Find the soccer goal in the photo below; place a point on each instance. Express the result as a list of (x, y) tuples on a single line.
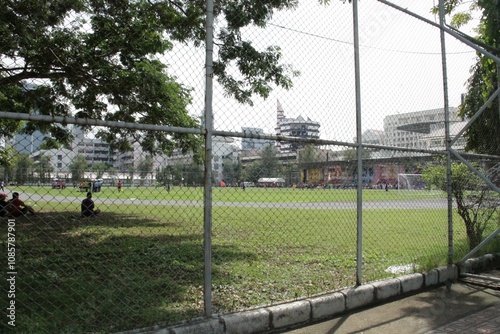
[(410, 182)]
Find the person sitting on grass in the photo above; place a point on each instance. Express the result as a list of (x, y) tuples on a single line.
[(15, 207), (3, 205), (88, 209)]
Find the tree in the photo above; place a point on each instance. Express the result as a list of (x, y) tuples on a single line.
[(78, 166), (98, 59), (253, 172), (43, 167), (8, 157), (194, 174), (164, 175), (177, 173), (269, 165), (482, 136), (99, 169), (145, 167), (22, 167), (231, 171), (475, 205), (308, 154)]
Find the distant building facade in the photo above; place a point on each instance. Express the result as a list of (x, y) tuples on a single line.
[(94, 150), (436, 140), (372, 136), (294, 127), (60, 161), (224, 150), (254, 144), (409, 130), (27, 143)]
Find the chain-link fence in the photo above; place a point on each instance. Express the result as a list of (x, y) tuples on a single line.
[(357, 172)]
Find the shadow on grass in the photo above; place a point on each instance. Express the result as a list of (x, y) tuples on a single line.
[(108, 273)]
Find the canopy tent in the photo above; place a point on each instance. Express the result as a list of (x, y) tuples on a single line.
[(271, 182)]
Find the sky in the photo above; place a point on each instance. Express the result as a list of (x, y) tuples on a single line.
[(400, 68)]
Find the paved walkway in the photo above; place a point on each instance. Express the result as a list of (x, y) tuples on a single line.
[(463, 309), (487, 321)]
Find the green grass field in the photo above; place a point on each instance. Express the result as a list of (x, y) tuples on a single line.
[(135, 266), (230, 194)]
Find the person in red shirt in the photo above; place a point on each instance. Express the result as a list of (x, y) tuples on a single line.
[(3, 204), (15, 207)]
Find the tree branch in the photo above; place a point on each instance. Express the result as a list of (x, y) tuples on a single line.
[(31, 75)]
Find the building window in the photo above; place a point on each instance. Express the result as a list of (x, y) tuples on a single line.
[(59, 157)]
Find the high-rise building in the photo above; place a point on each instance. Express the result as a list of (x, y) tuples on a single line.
[(294, 127)]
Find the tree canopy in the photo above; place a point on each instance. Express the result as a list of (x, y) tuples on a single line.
[(482, 136), (99, 59), (475, 202)]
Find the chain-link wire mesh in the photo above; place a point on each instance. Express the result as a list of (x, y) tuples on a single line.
[(118, 237)]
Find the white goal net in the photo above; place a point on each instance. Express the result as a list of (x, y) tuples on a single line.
[(410, 182)]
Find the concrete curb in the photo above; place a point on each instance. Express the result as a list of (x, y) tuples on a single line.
[(310, 310), (478, 264)]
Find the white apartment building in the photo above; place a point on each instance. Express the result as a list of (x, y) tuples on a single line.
[(94, 150), (60, 160), (410, 130), (436, 140), (223, 148)]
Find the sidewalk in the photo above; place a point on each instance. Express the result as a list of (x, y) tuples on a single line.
[(464, 308)]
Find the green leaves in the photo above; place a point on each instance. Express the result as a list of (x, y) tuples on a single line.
[(473, 198), (99, 59), (482, 136)]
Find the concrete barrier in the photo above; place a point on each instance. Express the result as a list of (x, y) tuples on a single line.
[(411, 282), (327, 305), (387, 289), (213, 326), (293, 313), (359, 296), (287, 315), (431, 278), (248, 322)]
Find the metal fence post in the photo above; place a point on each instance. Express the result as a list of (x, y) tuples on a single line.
[(447, 133), (207, 235), (359, 247)]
